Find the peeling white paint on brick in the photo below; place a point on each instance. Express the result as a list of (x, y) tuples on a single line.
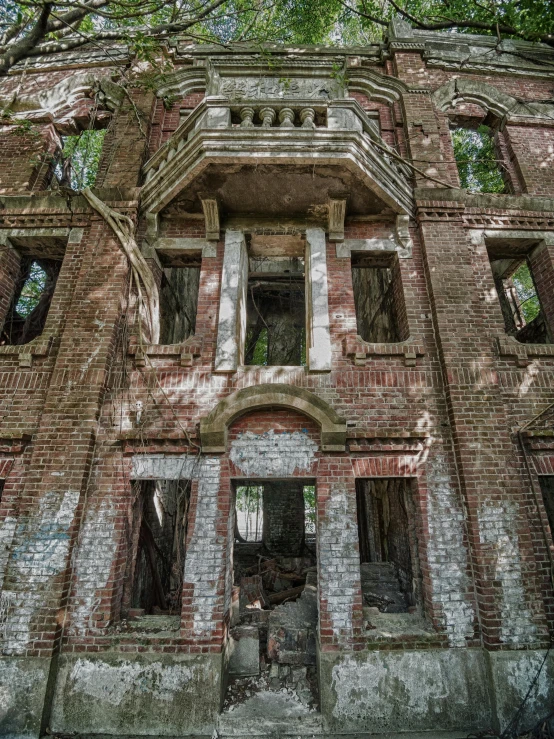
[(93, 562), (39, 555), (7, 530), (161, 467), (273, 454), (204, 558), (447, 554), (498, 524), (114, 683), (339, 560)]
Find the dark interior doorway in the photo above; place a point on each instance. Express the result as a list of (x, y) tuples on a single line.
[(275, 604), (160, 518), (388, 550)]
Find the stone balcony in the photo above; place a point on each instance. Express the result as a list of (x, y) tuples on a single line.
[(248, 154)]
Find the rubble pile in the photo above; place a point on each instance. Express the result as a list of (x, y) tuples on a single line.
[(273, 634)]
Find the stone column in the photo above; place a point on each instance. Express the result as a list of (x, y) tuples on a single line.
[(232, 305), (318, 336)]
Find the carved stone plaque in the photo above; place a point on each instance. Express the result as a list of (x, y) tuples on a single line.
[(254, 88)]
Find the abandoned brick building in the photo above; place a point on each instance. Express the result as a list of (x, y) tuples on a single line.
[(276, 421)]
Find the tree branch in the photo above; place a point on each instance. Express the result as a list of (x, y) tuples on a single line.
[(21, 49)]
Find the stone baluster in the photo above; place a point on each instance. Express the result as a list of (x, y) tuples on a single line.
[(286, 118), (268, 116), (307, 116), (246, 116)]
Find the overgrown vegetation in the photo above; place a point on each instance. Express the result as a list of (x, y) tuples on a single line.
[(80, 159), (526, 292), (32, 290), (29, 28), (476, 159)]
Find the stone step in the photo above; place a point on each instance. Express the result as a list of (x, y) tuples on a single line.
[(270, 713)]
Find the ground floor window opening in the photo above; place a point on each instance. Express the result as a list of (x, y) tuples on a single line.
[(274, 605), (388, 551), (155, 572)]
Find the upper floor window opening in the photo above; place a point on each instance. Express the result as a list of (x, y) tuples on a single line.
[(477, 159), (379, 297), (275, 303), (524, 318), (80, 159), (31, 299), (179, 299)]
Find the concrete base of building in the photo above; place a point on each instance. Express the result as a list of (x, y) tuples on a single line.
[(23, 695), (143, 694), (431, 690), (377, 693)]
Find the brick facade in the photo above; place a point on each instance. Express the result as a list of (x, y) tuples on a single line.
[(90, 406)]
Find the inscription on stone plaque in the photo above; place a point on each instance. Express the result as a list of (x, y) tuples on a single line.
[(248, 88)]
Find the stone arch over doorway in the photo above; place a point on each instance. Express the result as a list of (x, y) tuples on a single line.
[(213, 428)]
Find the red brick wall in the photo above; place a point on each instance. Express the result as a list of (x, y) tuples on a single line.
[(446, 422), (533, 149)]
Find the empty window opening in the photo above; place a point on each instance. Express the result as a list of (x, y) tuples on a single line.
[(276, 311), (387, 544), (261, 515), (160, 526), (477, 159), (80, 159), (179, 302), (274, 603), (275, 300), (2, 482), (519, 301), (34, 289), (378, 298), (275, 537), (547, 487)]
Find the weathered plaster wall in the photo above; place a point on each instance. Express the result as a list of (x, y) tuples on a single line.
[(163, 694), (406, 691)]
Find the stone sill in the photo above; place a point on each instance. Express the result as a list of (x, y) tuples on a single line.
[(14, 442), (398, 627), (39, 347), (508, 346), (360, 351), (187, 351)]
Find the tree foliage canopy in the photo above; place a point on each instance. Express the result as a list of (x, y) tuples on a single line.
[(29, 28)]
